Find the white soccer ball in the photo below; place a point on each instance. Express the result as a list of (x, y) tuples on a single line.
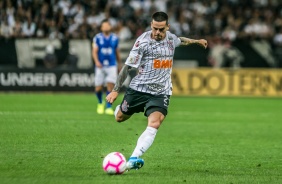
[(114, 163)]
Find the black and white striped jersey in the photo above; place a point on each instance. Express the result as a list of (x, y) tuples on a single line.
[(154, 60)]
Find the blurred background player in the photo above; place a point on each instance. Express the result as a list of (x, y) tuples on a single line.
[(106, 57)]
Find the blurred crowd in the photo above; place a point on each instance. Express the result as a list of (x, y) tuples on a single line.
[(80, 19), (221, 22)]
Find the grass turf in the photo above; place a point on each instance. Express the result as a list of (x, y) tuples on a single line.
[(59, 138)]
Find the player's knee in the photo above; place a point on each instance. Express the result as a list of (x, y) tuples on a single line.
[(155, 124), (98, 88), (155, 120), (119, 119)]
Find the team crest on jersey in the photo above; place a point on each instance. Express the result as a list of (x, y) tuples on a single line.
[(157, 55), (170, 45), (124, 106)]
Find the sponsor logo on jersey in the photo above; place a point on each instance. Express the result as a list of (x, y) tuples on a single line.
[(107, 50), (158, 55), (158, 64), (155, 87)]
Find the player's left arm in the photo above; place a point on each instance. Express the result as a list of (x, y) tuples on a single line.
[(118, 59), (188, 41)]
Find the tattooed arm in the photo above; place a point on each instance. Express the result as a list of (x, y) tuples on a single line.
[(121, 78), (188, 41)]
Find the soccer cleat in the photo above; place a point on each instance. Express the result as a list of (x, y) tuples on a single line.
[(134, 163), (109, 111), (100, 108)]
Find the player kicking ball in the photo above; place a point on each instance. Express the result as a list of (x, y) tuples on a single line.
[(150, 90)]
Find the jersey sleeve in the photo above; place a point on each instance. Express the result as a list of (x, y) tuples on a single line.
[(135, 55), (117, 42), (94, 42), (176, 41)]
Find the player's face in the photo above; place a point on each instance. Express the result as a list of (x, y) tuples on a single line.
[(159, 30), (106, 28)]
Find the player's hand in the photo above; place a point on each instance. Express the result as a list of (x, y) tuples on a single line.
[(98, 65), (112, 96), (203, 43)]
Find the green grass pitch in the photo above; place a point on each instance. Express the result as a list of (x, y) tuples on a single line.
[(59, 138)]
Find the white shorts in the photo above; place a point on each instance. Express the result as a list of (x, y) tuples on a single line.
[(105, 75)]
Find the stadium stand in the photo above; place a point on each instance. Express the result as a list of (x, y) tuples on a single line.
[(222, 22)]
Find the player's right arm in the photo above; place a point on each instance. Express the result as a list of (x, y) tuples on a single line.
[(121, 78), (95, 50), (132, 61)]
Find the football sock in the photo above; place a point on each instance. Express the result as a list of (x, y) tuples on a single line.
[(108, 105), (116, 110), (145, 140), (99, 95)]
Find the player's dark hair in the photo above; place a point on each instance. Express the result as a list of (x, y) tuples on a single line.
[(160, 16), (105, 20)]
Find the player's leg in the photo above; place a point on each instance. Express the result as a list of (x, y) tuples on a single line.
[(99, 95), (156, 110), (111, 77), (145, 140), (133, 102), (120, 117), (99, 80), (109, 109)]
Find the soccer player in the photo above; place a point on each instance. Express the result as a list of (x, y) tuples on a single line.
[(106, 57), (150, 90)]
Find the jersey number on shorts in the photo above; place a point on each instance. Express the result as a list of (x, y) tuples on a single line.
[(166, 100)]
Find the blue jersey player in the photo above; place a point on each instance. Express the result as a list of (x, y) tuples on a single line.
[(106, 57)]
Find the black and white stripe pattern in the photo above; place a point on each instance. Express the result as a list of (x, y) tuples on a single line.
[(142, 55)]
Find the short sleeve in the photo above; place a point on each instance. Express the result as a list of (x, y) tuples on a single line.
[(115, 40), (135, 55), (176, 40), (94, 42)]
